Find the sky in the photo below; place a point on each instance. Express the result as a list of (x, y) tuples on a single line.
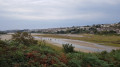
[(40, 14)]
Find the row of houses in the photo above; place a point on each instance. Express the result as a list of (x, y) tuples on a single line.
[(98, 27)]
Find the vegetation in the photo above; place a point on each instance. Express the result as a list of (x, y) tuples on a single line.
[(1, 32), (101, 39), (40, 55), (99, 29), (102, 59), (29, 56), (14, 54), (56, 48), (24, 38), (68, 48), (91, 30)]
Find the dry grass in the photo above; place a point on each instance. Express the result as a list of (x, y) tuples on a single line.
[(56, 48)]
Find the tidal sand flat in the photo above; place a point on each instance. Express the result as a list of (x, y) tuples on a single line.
[(79, 45)]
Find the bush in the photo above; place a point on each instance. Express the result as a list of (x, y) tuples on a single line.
[(93, 62), (30, 56), (68, 48), (24, 38), (74, 63), (3, 43)]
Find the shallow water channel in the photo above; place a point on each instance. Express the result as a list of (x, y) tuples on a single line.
[(79, 45)]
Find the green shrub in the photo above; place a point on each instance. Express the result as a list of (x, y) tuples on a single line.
[(74, 63), (24, 38), (93, 62), (3, 43), (13, 43), (68, 48), (30, 56)]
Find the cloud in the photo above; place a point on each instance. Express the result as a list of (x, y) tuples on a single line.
[(53, 9), (55, 17)]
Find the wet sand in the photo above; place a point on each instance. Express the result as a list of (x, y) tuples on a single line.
[(79, 45), (60, 45)]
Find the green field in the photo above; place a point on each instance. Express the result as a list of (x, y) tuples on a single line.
[(110, 40)]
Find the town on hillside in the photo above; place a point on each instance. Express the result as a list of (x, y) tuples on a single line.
[(93, 29)]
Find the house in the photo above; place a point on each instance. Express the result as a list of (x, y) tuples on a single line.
[(118, 31)]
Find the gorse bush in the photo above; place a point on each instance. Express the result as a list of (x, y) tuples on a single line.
[(68, 48), (24, 38)]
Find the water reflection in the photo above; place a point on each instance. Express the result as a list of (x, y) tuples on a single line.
[(64, 41)]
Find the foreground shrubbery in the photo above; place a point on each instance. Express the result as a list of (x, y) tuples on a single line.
[(103, 59), (29, 56), (40, 55), (80, 59), (17, 54), (24, 51)]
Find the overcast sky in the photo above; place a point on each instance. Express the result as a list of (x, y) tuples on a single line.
[(38, 14)]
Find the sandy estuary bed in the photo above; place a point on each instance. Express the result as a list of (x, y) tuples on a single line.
[(5, 37), (79, 45)]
